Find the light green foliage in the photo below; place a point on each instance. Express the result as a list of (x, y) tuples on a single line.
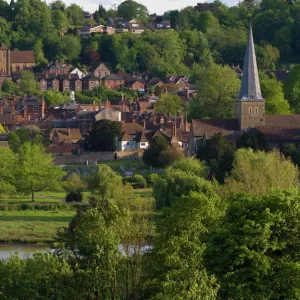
[(30, 133), (175, 265), (74, 183), (8, 164), (185, 176), (5, 31), (254, 252), (292, 89), (75, 15), (130, 9), (2, 130), (169, 105), (53, 97), (28, 83), (59, 20), (267, 56), (217, 87), (207, 20), (247, 176), (36, 171), (272, 91), (8, 87)]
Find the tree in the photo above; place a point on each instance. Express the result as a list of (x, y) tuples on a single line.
[(272, 91), (246, 175), (175, 265), (217, 87), (103, 136), (75, 15), (36, 170), (292, 151), (8, 166), (255, 248), (218, 152), (2, 130), (130, 9), (53, 97), (39, 54), (30, 133), (71, 47), (169, 156), (5, 26), (292, 89), (169, 105), (184, 176), (28, 83), (8, 87), (253, 139), (60, 21), (267, 56), (74, 187), (151, 155)]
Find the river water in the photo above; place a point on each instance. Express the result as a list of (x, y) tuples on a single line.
[(24, 251)]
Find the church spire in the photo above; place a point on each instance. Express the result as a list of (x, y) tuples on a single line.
[(250, 89)]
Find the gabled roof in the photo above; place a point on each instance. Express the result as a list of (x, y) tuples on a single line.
[(91, 77), (22, 57), (67, 133), (113, 77), (97, 64), (132, 128), (209, 127)]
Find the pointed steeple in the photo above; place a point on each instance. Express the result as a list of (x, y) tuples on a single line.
[(250, 89)]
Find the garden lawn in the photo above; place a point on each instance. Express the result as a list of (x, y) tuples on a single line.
[(32, 226)]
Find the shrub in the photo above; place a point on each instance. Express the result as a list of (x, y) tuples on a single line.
[(74, 196)]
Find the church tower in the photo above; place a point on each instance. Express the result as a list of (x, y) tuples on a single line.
[(4, 60), (250, 105)]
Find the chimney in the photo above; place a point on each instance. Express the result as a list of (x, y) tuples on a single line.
[(162, 120), (173, 129), (1, 108), (133, 121), (107, 104), (99, 106), (43, 106), (154, 120), (13, 108), (187, 93), (25, 112), (144, 123), (78, 107), (69, 131)]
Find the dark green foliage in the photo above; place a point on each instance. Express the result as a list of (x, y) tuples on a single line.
[(74, 196), (103, 136), (218, 152), (293, 152), (152, 154), (252, 139)]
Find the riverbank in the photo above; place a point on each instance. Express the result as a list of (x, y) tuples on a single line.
[(32, 226)]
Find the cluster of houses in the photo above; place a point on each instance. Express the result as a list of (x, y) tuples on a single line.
[(63, 77), (119, 25), (67, 125)]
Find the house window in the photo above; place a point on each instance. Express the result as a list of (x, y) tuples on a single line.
[(250, 110), (128, 143), (143, 144), (36, 108), (256, 110)]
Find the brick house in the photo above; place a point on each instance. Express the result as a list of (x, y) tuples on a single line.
[(64, 84), (137, 85), (31, 107), (90, 82), (113, 81), (100, 70), (57, 68), (75, 84)]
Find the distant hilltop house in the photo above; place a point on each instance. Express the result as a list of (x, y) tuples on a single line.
[(15, 61), (98, 28)]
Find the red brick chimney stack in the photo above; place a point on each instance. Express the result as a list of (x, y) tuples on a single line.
[(107, 104), (69, 131)]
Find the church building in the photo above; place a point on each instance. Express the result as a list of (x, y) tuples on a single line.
[(249, 113), (15, 61)]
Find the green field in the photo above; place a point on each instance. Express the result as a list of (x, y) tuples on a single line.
[(32, 226), (42, 197)]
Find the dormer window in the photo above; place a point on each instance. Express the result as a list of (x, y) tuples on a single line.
[(250, 110)]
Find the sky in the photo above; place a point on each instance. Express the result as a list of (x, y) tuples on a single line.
[(154, 6)]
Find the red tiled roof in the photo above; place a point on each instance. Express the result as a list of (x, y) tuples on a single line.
[(22, 57)]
